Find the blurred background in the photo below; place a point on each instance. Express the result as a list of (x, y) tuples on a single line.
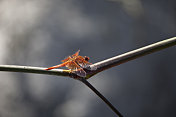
[(43, 32)]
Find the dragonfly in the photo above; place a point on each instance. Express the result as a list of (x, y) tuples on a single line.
[(76, 64)]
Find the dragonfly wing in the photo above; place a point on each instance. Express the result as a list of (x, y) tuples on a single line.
[(68, 58), (80, 72), (93, 68), (76, 68), (86, 65), (76, 54)]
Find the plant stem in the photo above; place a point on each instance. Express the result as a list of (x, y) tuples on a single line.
[(102, 65), (38, 70), (117, 60), (101, 96)]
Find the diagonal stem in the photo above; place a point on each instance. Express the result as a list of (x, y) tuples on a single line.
[(128, 56), (101, 96)]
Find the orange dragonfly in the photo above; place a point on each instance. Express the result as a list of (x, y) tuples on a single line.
[(76, 64)]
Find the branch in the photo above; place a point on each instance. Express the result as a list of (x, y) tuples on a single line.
[(117, 60), (101, 96), (102, 65), (58, 72), (38, 70)]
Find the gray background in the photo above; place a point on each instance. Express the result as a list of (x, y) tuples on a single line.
[(42, 32)]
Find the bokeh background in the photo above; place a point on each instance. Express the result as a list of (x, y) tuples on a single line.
[(42, 32)]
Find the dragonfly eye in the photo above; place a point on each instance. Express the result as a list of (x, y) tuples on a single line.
[(86, 58)]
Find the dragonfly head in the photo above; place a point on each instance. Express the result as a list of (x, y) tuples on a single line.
[(86, 58)]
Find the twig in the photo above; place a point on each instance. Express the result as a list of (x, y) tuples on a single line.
[(38, 70), (102, 65), (58, 72), (101, 96), (117, 60)]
